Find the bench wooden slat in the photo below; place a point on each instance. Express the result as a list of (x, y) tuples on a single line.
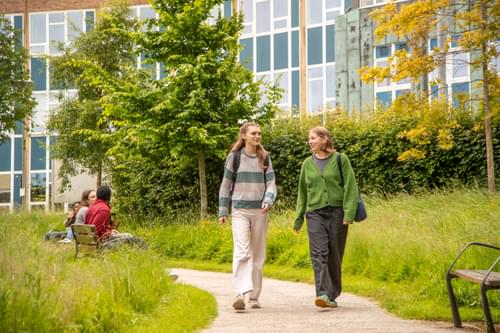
[(477, 276), (84, 228), (86, 239)]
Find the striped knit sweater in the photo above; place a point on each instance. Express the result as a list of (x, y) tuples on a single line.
[(252, 186)]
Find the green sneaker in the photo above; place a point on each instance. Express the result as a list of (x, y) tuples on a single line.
[(324, 301)]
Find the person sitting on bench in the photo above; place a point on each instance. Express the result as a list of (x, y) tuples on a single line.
[(99, 214)]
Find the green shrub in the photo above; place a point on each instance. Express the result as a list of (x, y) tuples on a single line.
[(412, 146)]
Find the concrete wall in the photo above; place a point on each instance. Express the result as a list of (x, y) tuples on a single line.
[(79, 183)]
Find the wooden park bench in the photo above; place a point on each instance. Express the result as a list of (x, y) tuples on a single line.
[(86, 239), (487, 279)]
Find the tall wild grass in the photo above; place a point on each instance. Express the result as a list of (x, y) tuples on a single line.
[(43, 289)]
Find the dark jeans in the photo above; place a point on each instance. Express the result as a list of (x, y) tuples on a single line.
[(327, 239)]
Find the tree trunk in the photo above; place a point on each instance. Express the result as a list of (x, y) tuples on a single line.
[(99, 177), (490, 164), (203, 184)]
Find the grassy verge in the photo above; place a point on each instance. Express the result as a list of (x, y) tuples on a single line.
[(42, 289), (399, 255)]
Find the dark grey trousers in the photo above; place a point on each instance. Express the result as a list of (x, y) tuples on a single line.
[(327, 239)]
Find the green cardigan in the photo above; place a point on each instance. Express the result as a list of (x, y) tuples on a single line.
[(322, 189)]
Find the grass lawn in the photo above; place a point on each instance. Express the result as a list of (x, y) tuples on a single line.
[(398, 257)]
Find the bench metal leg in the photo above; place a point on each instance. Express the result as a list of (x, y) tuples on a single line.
[(490, 327), (457, 322)]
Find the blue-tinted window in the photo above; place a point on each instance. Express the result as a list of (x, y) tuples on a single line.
[(18, 179), (18, 25), (263, 53), (402, 92), (295, 49), (39, 73), (402, 46), (295, 13), (330, 43), (433, 43), (295, 89), (246, 54), (314, 46), (227, 8), (89, 21), (38, 183), (454, 40), (384, 98), (5, 155), (19, 127), (457, 90), (281, 50), (18, 154), (38, 153), (434, 91), (383, 51)]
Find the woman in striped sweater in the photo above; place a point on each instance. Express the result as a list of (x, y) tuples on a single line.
[(249, 187)]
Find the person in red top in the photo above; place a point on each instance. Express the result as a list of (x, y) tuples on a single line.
[(99, 214)]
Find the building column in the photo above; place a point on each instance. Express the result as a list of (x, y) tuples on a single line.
[(303, 57), (26, 184)]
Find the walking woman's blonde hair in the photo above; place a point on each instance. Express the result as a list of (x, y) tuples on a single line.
[(240, 142), (323, 133)]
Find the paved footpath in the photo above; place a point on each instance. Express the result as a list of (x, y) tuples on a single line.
[(289, 307)]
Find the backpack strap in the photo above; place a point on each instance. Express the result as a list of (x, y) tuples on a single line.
[(339, 164), (236, 163)]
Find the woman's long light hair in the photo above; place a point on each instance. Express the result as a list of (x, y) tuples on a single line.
[(323, 133), (240, 143)]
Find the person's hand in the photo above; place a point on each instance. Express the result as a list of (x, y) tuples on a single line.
[(222, 220), (71, 214), (347, 222), (265, 208), (296, 231)]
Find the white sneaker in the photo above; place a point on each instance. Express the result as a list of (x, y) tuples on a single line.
[(239, 303), (65, 241), (254, 304)]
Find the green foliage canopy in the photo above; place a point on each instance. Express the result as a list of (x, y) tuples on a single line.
[(91, 64), (16, 101)]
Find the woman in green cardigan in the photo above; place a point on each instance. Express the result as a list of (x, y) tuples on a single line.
[(329, 208)]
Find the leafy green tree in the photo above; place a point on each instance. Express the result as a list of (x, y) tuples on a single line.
[(15, 87), (474, 25), (101, 55), (195, 111)]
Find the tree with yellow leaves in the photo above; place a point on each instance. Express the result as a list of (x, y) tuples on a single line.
[(475, 28)]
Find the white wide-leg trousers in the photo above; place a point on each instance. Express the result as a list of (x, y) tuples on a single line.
[(249, 254)]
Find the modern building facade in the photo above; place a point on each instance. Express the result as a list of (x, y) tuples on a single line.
[(312, 48)]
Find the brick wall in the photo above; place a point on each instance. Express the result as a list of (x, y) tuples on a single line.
[(30, 6)]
